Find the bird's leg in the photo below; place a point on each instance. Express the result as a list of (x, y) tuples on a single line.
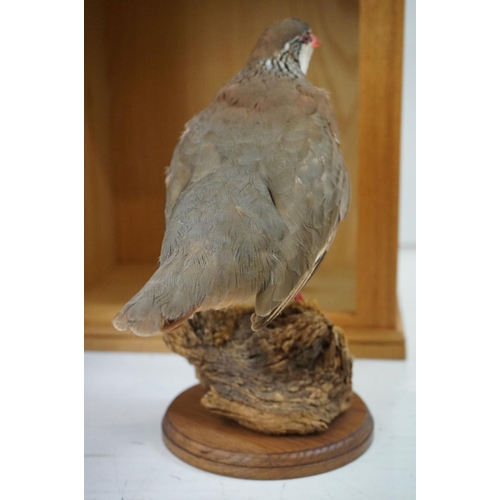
[(299, 297)]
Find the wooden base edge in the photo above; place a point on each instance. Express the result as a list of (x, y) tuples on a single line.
[(219, 445), (261, 473)]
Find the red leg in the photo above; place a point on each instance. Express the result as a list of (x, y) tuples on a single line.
[(299, 297)]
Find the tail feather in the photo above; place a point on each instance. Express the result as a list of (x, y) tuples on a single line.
[(135, 316), (145, 321), (153, 310)]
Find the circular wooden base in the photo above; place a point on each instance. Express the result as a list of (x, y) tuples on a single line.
[(220, 445)]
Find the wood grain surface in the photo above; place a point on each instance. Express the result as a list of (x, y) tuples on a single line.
[(381, 56), (222, 446), (99, 225)]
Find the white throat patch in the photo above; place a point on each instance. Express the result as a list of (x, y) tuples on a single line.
[(306, 52)]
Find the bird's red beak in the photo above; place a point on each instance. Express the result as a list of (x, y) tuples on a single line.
[(315, 41)]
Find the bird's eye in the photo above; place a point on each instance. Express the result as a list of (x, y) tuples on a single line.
[(306, 38)]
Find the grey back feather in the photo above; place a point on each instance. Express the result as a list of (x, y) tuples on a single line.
[(255, 191)]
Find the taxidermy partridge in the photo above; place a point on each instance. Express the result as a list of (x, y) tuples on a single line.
[(256, 188)]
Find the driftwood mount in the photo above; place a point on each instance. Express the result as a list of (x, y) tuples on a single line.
[(292, 377)]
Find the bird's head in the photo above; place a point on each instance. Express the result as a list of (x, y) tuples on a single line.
[(285, 46)]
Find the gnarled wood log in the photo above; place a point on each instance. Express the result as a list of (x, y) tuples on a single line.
[(294, 376)]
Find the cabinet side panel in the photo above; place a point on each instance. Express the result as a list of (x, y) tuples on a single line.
[(381, 37), (99, 226)]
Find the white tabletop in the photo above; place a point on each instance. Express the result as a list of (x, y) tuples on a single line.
[(126, 395)]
